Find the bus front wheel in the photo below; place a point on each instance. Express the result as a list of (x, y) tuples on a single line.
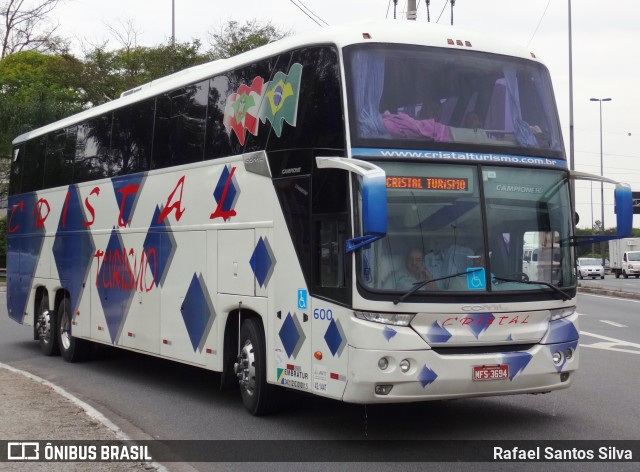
[(258, 396)]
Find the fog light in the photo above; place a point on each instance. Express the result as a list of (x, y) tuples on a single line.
[(569, 354), (564, 376), (557, 358), (383, 363), (383, 389), (405, 365)]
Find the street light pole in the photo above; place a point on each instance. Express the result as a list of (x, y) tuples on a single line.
[(600, 100), (173, 22), (572, 165)]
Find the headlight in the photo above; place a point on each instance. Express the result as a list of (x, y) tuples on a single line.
[(562, 313), (396, 319)]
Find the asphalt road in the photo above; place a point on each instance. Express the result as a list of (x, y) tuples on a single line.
[(153, 398)]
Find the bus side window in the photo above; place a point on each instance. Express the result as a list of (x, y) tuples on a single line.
[(319, 118), (265, 69), (330, 213), (218, 141), (132, 137), (16, 170), (33, 168), (180, 126), (331, 238), (60, 156), (92, 150)]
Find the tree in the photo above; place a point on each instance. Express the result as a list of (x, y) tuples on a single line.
[(108, 73), (232, 38), (35, 89), (25, 26)]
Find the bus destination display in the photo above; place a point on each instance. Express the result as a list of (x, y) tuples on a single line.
[(428, 183)]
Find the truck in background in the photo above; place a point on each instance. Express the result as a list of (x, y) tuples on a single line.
[(624, 257)]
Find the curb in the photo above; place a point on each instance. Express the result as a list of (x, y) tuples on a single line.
[(90, 411)]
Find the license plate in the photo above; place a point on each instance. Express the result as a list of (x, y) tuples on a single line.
[(491, 372)]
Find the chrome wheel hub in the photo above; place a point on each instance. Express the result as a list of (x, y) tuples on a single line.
[(44, 326), (245, 368)]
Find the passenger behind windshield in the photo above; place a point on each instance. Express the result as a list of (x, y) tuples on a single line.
[(415, 270)]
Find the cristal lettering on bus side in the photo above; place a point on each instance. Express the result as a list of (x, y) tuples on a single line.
[(427, 183)]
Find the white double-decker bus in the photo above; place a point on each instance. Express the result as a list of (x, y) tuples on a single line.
[(342, 213)]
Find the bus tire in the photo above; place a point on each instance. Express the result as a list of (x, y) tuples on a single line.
[(72, 349), (46, 327), (259, 397)]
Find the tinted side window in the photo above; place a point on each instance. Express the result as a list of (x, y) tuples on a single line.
[(132, 137), (293, 194), (60, 155), (92, 150), (15, 180), (219, 142), (266, 70), (319, 118), (33, 166), (330, 211), (180, 126)]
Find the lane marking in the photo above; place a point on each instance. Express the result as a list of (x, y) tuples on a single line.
[(613, 323), (611, 344)]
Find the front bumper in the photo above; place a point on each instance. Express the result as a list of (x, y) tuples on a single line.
[(438, 375)]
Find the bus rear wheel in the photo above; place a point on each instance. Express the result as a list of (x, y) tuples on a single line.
[(46, 328), (258, 396), (72, 349)]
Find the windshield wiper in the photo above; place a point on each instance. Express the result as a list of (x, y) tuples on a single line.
[(419, 285), (562, 293)]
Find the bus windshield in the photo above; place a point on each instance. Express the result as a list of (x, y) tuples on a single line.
[(463, 100), (440, 229)]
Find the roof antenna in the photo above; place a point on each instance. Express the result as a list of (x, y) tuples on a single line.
[(428, 2), (453, 3)]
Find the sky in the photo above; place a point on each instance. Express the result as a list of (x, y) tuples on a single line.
[(606, 55)]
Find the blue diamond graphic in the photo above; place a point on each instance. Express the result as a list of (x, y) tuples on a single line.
[(334, 337), (73, 248), (426, 376), (226, 194), (481, 321), (438, 334), (24, 245), (517, 362), (262, 262), (197, 311), (388, 333), (127, 188), (159, 248), (289, 335), (116, 284), (562, 331)]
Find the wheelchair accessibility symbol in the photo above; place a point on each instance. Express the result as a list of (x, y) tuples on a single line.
[(476, 278), (302, 299)]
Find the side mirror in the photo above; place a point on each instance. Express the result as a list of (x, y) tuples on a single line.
[(374, 197), (623, 207)]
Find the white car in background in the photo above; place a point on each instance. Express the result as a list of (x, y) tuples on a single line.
[(590, 267)]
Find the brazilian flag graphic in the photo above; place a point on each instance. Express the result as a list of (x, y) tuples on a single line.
[(281, 98)]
